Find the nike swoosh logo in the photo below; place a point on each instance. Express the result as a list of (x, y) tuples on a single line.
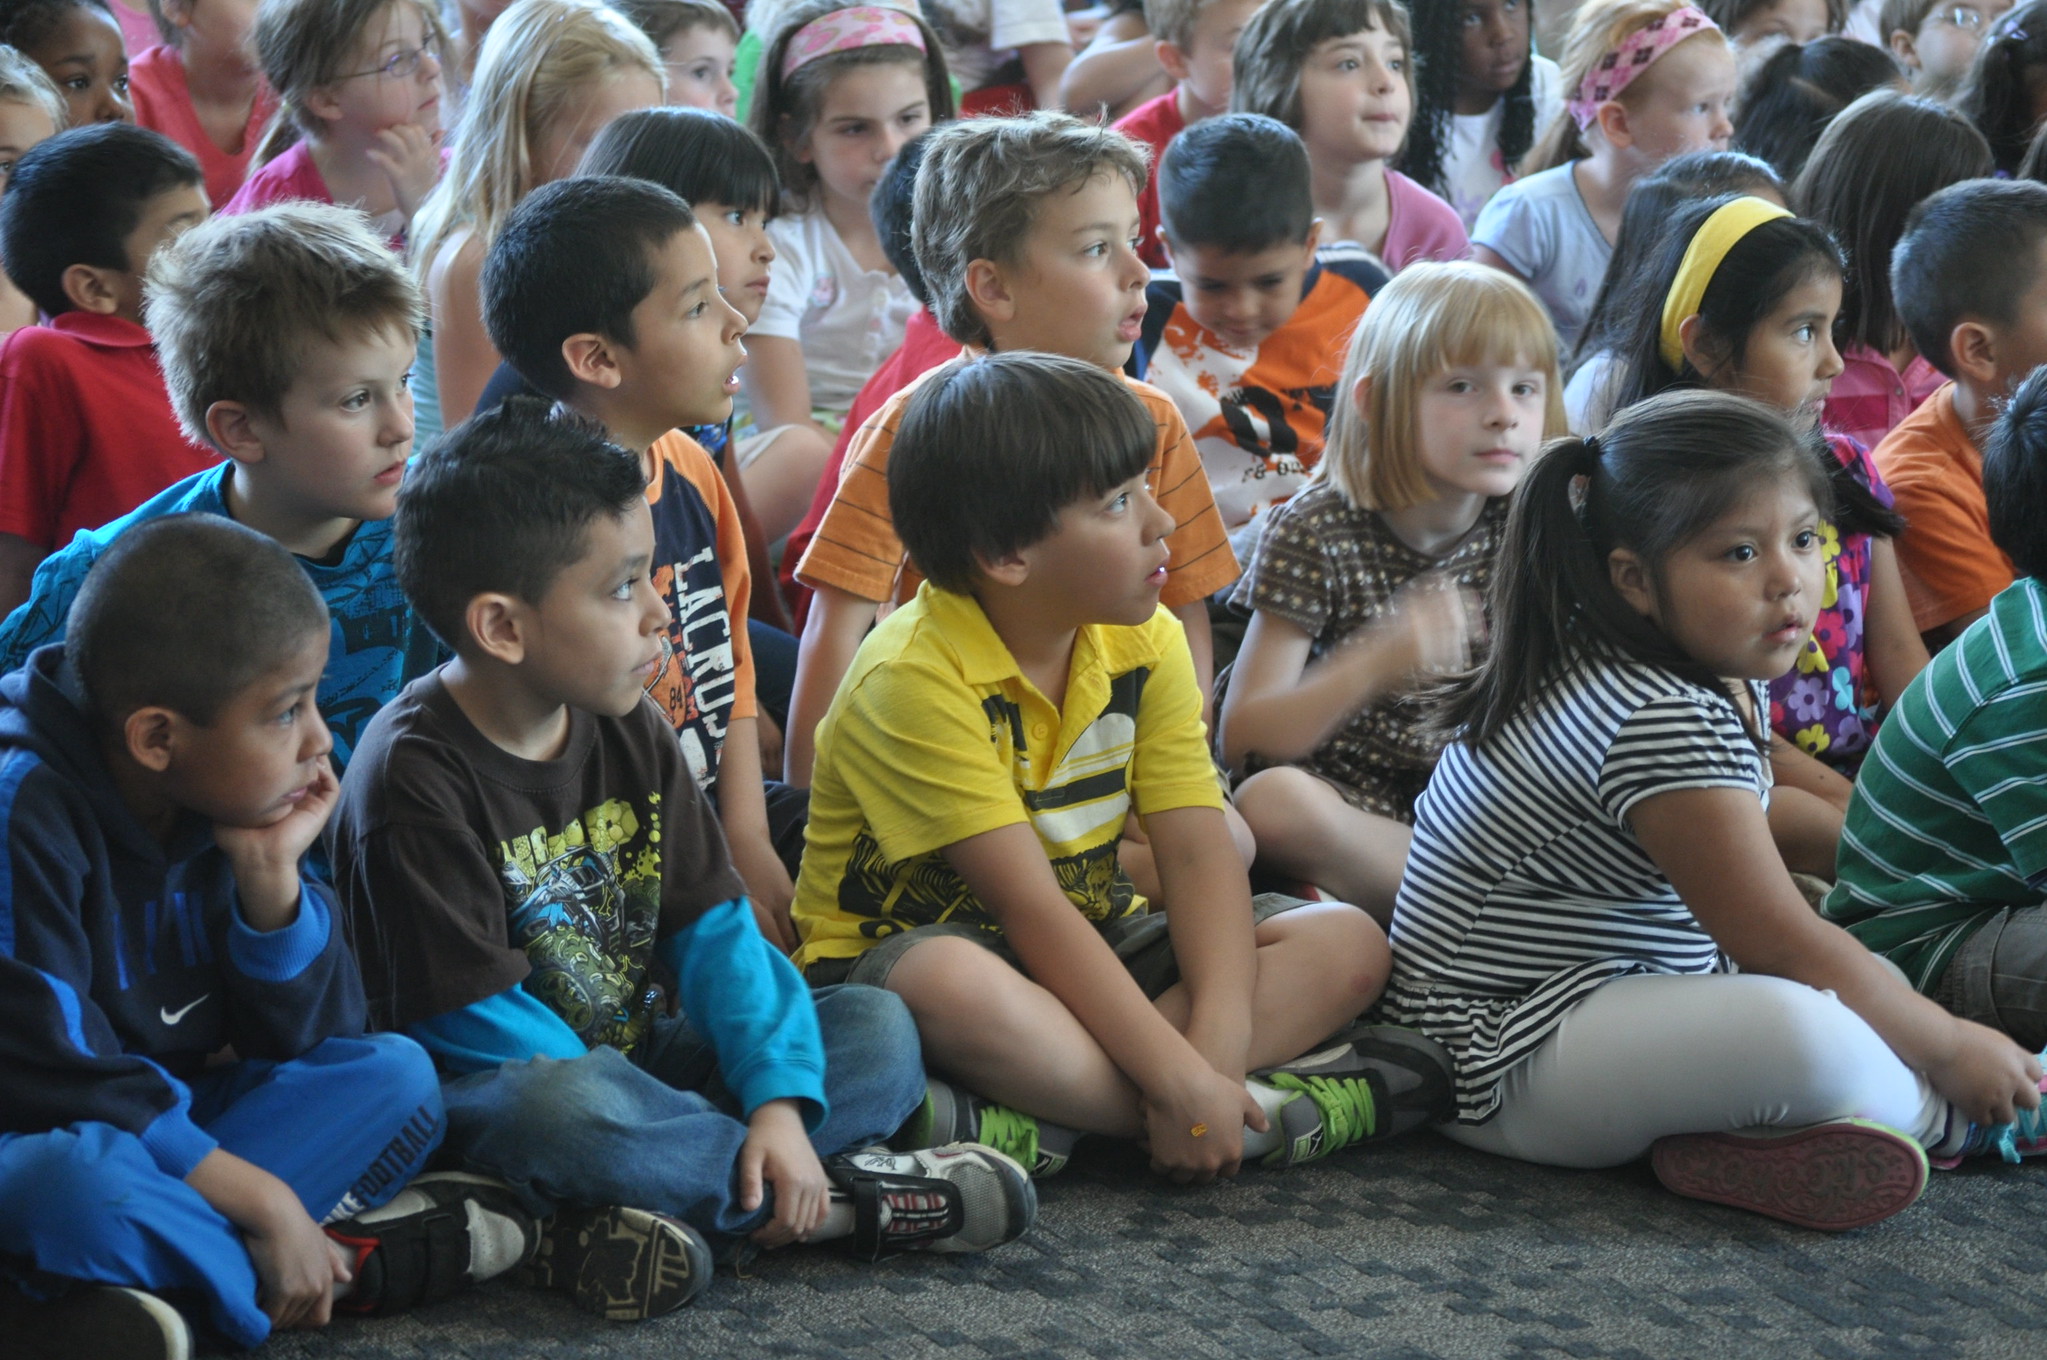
[(171, 1017)]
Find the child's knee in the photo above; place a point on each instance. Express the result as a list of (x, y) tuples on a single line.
[(870, 1021), (76, 1183), (952, 981), (391, 1064), (1352, 951)]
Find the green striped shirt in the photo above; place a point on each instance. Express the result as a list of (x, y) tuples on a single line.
[(1949, 821)]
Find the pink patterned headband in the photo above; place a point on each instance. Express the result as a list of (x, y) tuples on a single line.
[(845, 29), (1636, 51)]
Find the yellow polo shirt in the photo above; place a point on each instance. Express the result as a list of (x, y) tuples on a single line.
[(935, 735)]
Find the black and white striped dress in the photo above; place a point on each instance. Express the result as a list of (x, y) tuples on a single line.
[(1525, 889)]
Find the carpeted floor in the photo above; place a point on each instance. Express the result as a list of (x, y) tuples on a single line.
[(1421, 1249)]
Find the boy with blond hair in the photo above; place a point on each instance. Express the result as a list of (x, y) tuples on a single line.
[(286, 337), (1194, 42), (1025, 233)]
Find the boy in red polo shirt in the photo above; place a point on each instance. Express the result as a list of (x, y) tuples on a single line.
[(86, 428)]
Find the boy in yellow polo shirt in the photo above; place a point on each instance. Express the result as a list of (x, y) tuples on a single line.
[(973, 776)]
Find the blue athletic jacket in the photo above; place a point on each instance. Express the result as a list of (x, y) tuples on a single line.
[(125, 963)]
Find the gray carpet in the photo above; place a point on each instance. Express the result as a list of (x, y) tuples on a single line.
[(1420, 1249)]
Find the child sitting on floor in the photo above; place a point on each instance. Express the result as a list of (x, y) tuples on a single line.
[(973, 778), (203, 89), (189, 1093), (1593, 852), (1367, 584)]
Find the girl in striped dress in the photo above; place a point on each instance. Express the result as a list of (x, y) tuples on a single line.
[(1593, 856)]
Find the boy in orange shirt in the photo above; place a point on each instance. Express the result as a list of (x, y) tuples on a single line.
[(1025, 233), (1970, 278)]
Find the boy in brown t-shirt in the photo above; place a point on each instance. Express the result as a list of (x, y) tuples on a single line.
[(1970, 278), (534, 885)]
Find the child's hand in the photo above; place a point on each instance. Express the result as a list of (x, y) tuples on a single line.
[(777, 1153), (1438, 623), (1210, 1102), (297, 1267), (1986, 1075), (410, 158), (266, 858)]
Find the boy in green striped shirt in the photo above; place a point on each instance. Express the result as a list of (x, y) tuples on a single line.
[(1943, 863)]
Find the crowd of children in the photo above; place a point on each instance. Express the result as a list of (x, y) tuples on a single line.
[(638, 632)]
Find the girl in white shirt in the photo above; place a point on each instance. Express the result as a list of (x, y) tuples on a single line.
[(1480, 95), (841, 89)]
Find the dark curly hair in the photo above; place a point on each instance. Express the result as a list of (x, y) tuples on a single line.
[(1437, 50)]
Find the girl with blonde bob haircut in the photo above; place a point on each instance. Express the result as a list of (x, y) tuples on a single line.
[(550, 75), (1369, 582)]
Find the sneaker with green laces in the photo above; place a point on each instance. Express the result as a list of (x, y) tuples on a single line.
[(1366, 1083), (951, 1115)]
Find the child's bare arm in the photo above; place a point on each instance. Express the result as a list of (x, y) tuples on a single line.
[(1793, 768), (1282, 706), (1714, 846), (743, 814), (464, 358), (1890, 639), (1193, 617), (1207, 898), (832, 633), (777, 383)]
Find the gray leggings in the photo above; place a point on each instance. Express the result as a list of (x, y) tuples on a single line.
[(1645, 1057)]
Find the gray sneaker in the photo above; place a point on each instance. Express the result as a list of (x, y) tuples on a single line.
[(1366, 1083), (960, 1197)]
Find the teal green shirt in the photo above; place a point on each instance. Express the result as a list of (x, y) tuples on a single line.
[(1949, 820)]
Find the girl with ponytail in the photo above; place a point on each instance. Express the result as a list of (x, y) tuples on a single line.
[(1594, 851)]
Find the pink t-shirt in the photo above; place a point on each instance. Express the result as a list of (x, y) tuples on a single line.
[(1419, 226), (163, 103), (291, 177), (139, 32), (1870, 398)]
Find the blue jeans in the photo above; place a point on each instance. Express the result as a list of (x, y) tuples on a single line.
[(659, 1130), (345, 1125)]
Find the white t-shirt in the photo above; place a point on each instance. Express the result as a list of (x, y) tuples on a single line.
[(981, 36), (1589, 396), (848, 319), (1541, 227), (1472, 169)]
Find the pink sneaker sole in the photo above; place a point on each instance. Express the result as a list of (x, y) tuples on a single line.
[(1835, 1176)]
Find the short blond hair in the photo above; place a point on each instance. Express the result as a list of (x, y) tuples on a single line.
[(536, 59), (237, 303), (1430, 318), (978, 192), (23, 82)]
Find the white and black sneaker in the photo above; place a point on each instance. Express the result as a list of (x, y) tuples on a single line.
[(100, 1321), (441, 1234), (622, 1263), (960, 1197)]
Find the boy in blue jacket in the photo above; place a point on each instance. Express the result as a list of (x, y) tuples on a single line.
[(537, 891), (186, 1091)]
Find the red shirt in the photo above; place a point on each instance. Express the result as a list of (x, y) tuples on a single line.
[(163, 103), (1153, 123), (86, 429), (924, 348)]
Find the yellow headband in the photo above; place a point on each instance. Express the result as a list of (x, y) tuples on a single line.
[(1702, 258)]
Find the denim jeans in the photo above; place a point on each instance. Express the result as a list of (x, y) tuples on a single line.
[(659, 1130)]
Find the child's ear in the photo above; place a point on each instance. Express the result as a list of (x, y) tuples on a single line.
[(1172, 58), (1692, 339), (1973, 347), (1905, 50), (148, 736), (1361, 396), (590, 359), (1314, 240), (1010, 569), (989, 291), (322, 104), (497, 623), (92, 288), (1631, 581), (234, 432), (1612, 121)]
